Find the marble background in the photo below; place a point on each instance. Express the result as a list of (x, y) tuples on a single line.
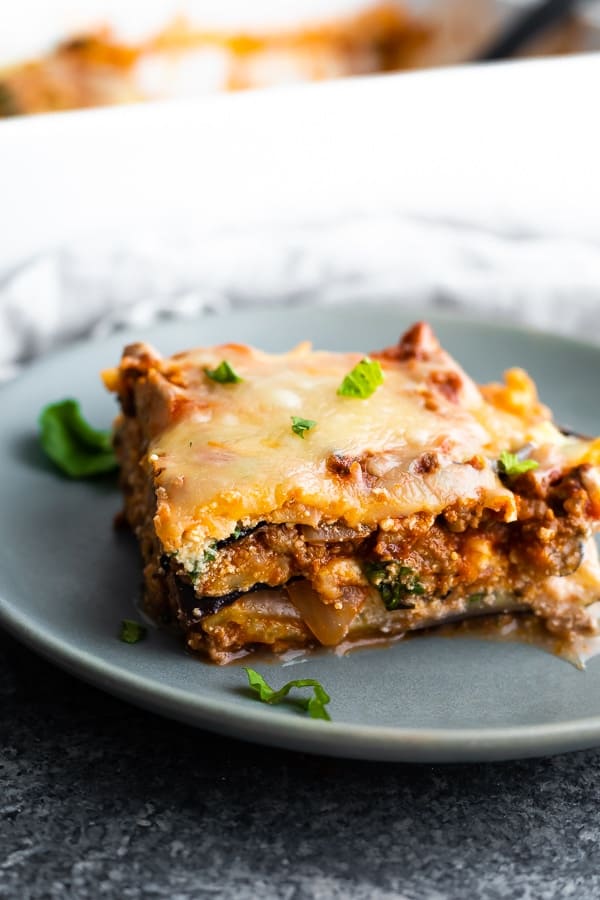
[(95, 284)]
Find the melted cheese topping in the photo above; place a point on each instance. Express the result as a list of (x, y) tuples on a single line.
[(232, 455), (223, 456)]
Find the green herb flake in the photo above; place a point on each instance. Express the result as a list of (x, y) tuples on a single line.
[(300, 425), (72, 444), (199, 565), (476, 598), (313, 705), (395, 582), (363, 380), (132, 632), (210, 554), (510, 465), (224, 374)]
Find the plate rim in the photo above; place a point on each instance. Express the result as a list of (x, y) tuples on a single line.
[(280, 728), (262, 724)]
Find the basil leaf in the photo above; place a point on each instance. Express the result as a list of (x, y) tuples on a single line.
[(132, 632), (314, 705), (224, 374), (300, 425), (509, 464), (363, 380), (72, 444)]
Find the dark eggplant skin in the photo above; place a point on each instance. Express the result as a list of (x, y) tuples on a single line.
[(568, 432), (238, 536), (195, 608), (190, 601), (190, 604), (479, 613)]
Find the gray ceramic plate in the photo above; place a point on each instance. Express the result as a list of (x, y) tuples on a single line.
[(67, 579)]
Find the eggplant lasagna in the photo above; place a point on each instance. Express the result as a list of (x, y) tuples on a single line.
[(186, 56), (316, 498)]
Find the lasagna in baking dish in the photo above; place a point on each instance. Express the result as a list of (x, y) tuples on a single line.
[(203, 49), (318, 498)]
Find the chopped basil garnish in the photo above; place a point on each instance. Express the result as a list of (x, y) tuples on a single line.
[(72, 444), (509, 464), (300, 425), (363, 380), (395, 583), (132, 632), (476, 598), (314, 705), (224, 374)]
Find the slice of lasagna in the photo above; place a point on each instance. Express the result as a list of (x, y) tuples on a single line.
[(317, 498)]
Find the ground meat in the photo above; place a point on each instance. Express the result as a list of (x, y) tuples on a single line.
[(418, 343), (271, 556), (466, 548), (448, 383)]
